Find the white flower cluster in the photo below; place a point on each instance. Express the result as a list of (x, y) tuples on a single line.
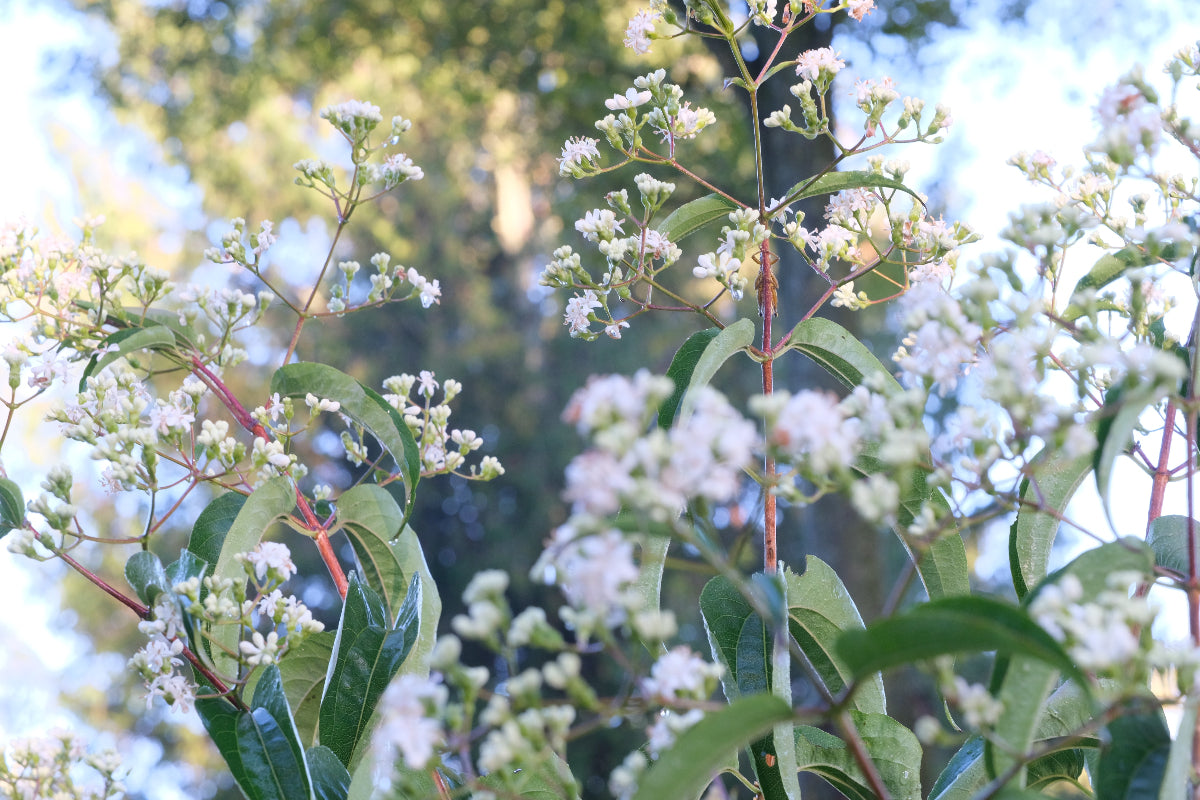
[(225, 602), (52, 766), (701, 456), (1100, 635), (444, 450)]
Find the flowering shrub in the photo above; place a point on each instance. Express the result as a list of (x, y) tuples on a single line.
[(1015, 379)]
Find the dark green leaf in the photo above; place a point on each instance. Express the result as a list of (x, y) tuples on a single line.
[(839, 352), (367, 655), (1134, 764), (125, 342), (693, 216), (1168, 538), (684, 770), (411, 558), (820, 608), (963, 775), (724, 612), (948, 626), (270, 502), (894, 750), (260, 746), (1056, 478), (146, 575), (330, 780), (208, 534), (269, 697), (361, 404), (303, 672), (680, 372), (733, 339), (372, 520), (832, 182), (12, 506)]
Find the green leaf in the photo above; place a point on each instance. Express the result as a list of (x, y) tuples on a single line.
[(947, 626), (261, 746), (1179, 763), (1112, 266), (1123, 406), (411, 558), (367, 654), (684, 770), (1022, 684), (740, 642), (303, 672), (725, 612), (783, 735), (680, 372), (691, 217), (1031, 538), (371, 519), (1134, 764), (12, 506), (1168, 538), (146, 575), (832, 182), (839, 352), (330, 780), (188, 565), (1063, 713), (362, 405), (819, 610), (894, 750), (732, 339), (270, 502), (124, 342), (942, 565), (963, 775), (1026, 683), (208, 534)]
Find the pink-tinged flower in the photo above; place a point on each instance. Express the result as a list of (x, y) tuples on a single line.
[(860, 8), (614, 331), (593, 570), (578, 309), (637, 33), (812, 63)]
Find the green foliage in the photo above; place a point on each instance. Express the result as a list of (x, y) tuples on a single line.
[(369, 651)]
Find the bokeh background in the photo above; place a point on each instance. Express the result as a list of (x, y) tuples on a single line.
[(171, 116)]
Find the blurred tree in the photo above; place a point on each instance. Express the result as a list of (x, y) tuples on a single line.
[(230, 89)]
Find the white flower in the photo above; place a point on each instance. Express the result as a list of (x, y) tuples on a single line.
[(637, 33), (680, 674), (271, 558), (175, 690), (406, 723), (860, 8), (577, 152), (578, 309), (631, 99), (260, 650), (821, 63), (593, 570)]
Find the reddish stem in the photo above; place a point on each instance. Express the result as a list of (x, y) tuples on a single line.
[(1162, 470), (247, 421), (768, 303), (143, 612)]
